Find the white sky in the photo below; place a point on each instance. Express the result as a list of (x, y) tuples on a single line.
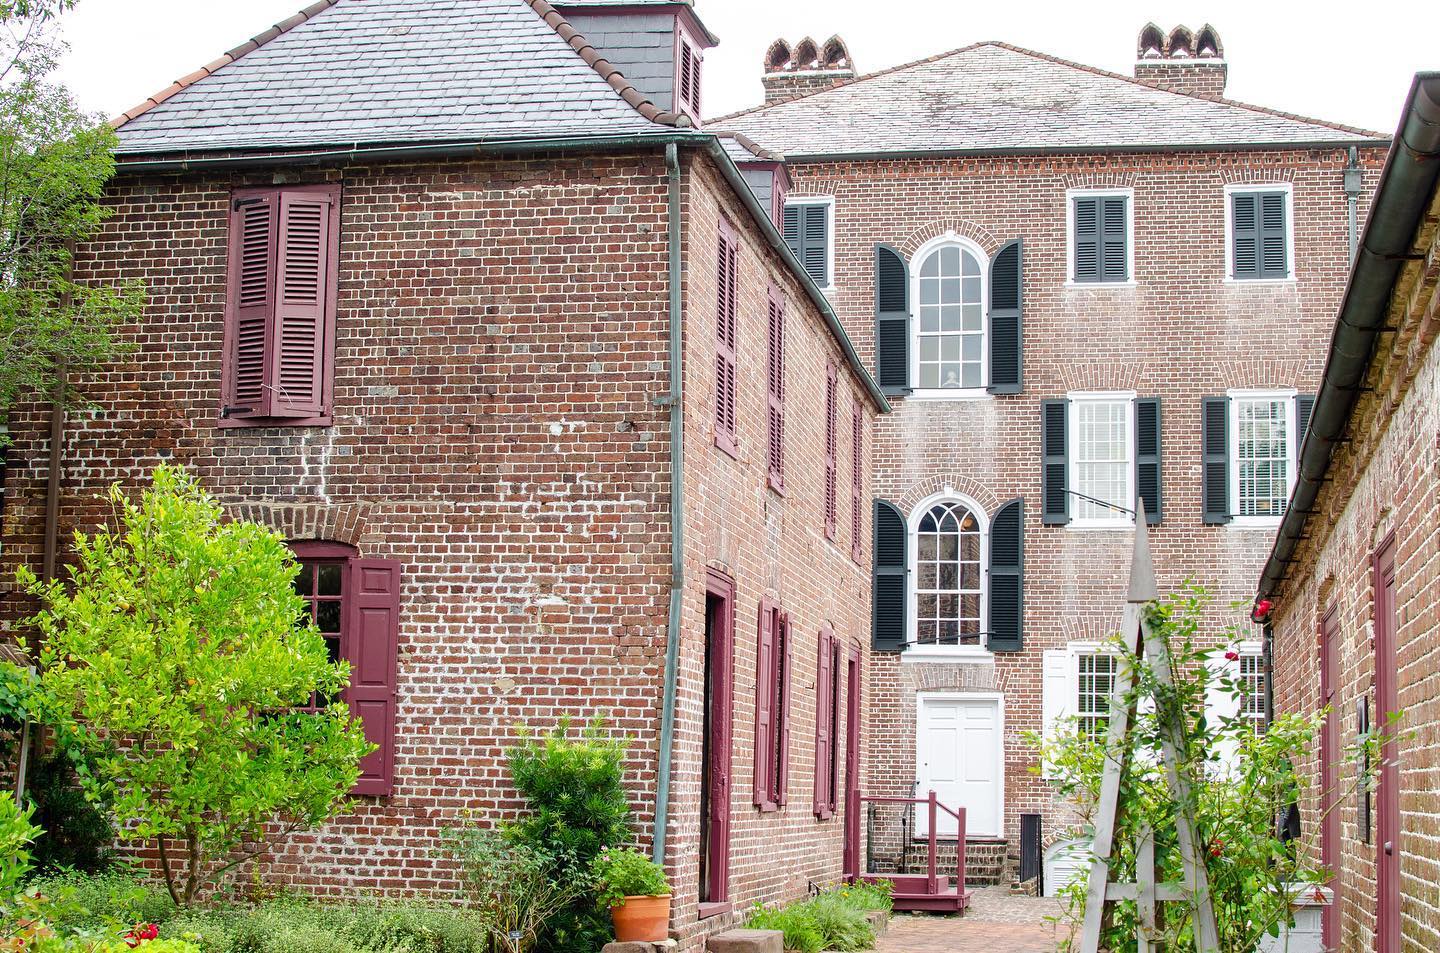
[(1348, 63)]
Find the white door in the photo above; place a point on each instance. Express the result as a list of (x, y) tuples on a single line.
[(959, 757)]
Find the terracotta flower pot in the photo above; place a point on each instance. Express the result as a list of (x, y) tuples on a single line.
[(642, 919)]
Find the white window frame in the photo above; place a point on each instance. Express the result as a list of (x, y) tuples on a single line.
[(1079, 650), (1248, 187), (829, 286), (1236, 396), (1119, 520), (1070, 196), (914, 651), (917, 260), (1218, 706), (1256, 651)]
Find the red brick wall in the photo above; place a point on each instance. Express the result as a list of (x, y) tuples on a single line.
[(1181, 334), (1386, 482)]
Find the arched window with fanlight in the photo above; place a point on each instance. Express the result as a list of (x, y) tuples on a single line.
[(949, 547), (950, 326)]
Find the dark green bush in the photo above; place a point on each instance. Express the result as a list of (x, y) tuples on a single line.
[(76, 835)]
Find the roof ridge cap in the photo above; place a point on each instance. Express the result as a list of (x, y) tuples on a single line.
[(606, 70), (225, 59)]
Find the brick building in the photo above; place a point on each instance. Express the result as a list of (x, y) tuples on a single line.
[(508, 347), (1350, 586), (1071, 285)]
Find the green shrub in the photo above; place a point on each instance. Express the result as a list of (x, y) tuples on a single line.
[(842, 927), (796, 922), (835, 920), (865, 897), (510, 885), (626, 873), (114, 896), (76, 834)]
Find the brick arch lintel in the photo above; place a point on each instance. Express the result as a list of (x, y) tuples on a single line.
[(1108, 179), (1097, 376), (964, 228), (340, 523), (1263, 372), (964, 485)]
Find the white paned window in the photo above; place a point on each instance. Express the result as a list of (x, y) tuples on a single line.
[(1102, 462), (1252, 676), (949, 330), (948, 547), (1094, 681), (1262, 454)]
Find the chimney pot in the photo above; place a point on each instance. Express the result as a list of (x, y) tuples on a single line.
[(1185, 62), (805, 68)]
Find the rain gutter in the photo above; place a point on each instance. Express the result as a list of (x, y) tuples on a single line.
[(800, 158), (1407, 186)]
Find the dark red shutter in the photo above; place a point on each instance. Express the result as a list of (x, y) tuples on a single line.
[(831, 477), (824, 700), (783, 654), (857, 478), (299, 359), (775, 390), (725, 372), (249, 305), (764, 705), (372, 649)]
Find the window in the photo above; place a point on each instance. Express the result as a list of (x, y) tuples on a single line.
[(1077, 682), (355, 603), (1094, 681), (949, 333), (278, 360), (827, 725), (831, 476), (772, 707), (857, 478), (1262, 452), (1252, 676), (726, 281), (810, 232), (1258, 234), (949, 590), (1102, 460), (1101, 227), (775, 391)]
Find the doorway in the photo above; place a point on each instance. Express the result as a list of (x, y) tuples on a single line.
[(1387, 701), (852, 765), (1330, 771), (959, 755), (715, 737)]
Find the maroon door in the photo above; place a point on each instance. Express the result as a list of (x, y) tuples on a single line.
[(1330, 771), (715, 742), (852, 766), (1387, 843)]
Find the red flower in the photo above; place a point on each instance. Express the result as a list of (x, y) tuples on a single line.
[(1232, 656), (1216, 848), (141, 933)]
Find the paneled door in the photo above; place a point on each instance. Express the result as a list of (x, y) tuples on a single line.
[(1387, 843), (959, 755)]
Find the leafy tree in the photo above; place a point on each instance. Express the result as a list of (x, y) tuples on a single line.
[(54, 163), (174, 660)]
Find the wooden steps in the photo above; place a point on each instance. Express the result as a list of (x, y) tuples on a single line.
[(912, 893)]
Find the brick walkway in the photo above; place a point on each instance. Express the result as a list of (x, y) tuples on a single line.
[(996, 922)]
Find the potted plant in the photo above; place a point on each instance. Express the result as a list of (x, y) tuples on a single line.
[(635, 890)]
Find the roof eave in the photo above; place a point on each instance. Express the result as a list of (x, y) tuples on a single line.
[(794, 156)]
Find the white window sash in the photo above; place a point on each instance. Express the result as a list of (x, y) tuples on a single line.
[(1116, 519), (1287, 397)]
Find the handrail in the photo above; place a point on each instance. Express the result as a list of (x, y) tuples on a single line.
[(932, 878), (911, 800)]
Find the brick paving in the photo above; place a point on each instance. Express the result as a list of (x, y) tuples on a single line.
[(997, 922)]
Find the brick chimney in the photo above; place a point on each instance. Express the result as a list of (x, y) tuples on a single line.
[(791, 72), (1183, 61)]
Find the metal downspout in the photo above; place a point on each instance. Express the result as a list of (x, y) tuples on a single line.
[(1354, 185), (677, 516)]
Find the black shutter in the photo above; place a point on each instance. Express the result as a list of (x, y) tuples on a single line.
[(1006, 336), (887, 620), (1274, 256), (815, 232), (1007, 577), (1147, 456), (1215, 440), (1054, 451), (1259, 236), (892, 321), (792, 231), (1245, 235), (1304, 406), (1114, 238), (1087, 239)]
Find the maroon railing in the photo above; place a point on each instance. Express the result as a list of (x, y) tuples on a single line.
[(933, 807)]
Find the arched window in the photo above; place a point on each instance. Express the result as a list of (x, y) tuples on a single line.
[(949, 591), (950, 326)]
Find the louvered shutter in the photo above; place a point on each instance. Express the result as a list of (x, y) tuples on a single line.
[(892, 321), (304, 262), (249, 306), (791, 230), (764, 704), (1055, 697), (1215, 441), (775, 391), (726, 376), (1259, 235), (824, 683), (831, 474), (857, 478), (1274, 255), (1007, 577), (1087, 239), (815, 226), (1304, 407), (372, 649), (1245, 234), (888, 623), (1055, 461), (783, 652), (1221, 705), (1147, 456), (1115, 239), (1006, 333)]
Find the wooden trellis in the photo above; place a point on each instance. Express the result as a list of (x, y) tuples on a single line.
[(1145, 892)]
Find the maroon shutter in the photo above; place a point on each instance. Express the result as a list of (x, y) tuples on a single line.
[(837, 665), (830, 474), (775, 390), (857, 478), (824, 743), (372, 647), (299, 362), (782, 706), (249, 305), (764, 705), (726, 280)]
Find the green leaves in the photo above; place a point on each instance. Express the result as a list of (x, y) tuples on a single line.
[(171, 658)]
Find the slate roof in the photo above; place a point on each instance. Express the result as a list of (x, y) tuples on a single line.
[(391, 71), (996, 97)]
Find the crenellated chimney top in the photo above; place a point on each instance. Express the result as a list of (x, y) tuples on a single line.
[(1183, 61), (804, 68)]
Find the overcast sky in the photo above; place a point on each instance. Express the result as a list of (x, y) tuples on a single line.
[(1349, 63)]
